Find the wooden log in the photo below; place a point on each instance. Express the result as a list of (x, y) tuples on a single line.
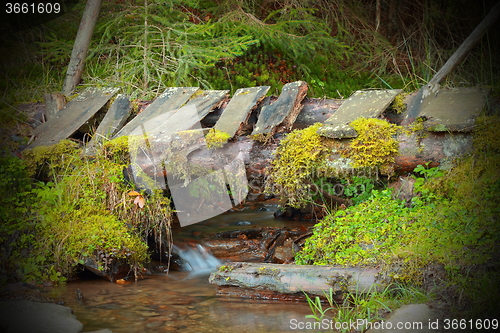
[(53, 103), (435, 148), (255, 278)]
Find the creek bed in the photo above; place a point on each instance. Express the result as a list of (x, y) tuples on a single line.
[(178, 303), (172, 303)]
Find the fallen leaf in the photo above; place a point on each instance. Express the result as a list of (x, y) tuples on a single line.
[(122, 281), (139, 200), (132, 193)]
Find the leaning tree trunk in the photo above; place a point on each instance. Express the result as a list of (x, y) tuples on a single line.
[(81, 46)]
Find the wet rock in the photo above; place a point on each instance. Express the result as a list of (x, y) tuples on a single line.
[(241, 223), (148, 313), (235, 249), (285, 252), (259, 244), (154, 324), (402, 189), (24, 316), (310, 212), (116, 270)]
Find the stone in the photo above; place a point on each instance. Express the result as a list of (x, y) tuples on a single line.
[(22, 316), (417, 317)]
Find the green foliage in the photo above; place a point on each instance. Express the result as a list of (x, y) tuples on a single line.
[(18, 220), (362, 234), (375, 145), (358, 189), (80, 211), (368, 305), (50, 161), (452, 221)]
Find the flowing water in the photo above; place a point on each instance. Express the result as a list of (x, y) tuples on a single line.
[(182, 301)]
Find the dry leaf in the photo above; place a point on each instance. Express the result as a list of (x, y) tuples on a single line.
[(139, 200), (122, 281), (132, 193)]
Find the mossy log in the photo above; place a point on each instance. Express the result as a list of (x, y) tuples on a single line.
[(289, 282), (434, 149)]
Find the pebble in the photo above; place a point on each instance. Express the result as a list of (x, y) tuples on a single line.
[(154, 324), (241, 223), (148, 313)]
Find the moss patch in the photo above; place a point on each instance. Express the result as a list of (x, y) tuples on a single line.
[(297, 159), (216, 138), (375, 145)]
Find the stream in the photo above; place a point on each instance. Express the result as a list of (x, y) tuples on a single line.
[(183, 301)]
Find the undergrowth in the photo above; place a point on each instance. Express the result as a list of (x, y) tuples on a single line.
[(70, 209), (358, 310), (452, 222)]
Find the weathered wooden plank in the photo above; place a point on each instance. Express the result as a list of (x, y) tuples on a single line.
[(113, 120), (454, 109), (162, 126), (316, 110), (238, 110), (72, 117), (208, 100), (171, 100), (363, 103), (280, 115), (293, 279), (53, 104)]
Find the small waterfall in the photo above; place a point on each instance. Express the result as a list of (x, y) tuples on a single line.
[(196, 260)]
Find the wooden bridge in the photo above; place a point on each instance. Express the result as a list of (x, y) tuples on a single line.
[(452, 110)]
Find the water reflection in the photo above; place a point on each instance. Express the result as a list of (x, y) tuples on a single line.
[(183, 301), (163, 303)]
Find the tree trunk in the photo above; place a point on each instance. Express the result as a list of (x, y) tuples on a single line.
[(436, 148), (81, 46)]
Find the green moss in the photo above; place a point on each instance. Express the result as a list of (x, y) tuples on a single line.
[(261, 137), (438, 128), (216, 138), (375, 145), (225, 268), (398, 104), (51, 159), (82, 211), (300, 154)]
